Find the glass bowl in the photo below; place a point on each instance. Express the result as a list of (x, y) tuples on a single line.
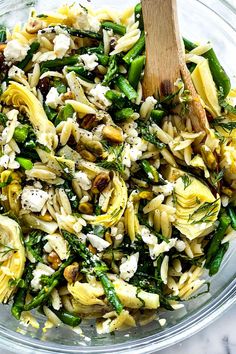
[(200, 21)]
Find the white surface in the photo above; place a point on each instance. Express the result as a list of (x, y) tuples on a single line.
[(218, 338)]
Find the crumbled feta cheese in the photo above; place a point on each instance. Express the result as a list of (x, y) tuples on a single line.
[(83, 180), (33, 199), (53, 98), (166, 189), (90, 61), (156, 250), (162, 322), (147, 236), (93, 23), (129, 266), (98, 95), (16, 72), (41, 269), (61, 45), (98, 242), (15, 51)]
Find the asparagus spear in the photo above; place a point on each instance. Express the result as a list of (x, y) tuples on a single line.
[(232, 216), (19, 298), (99, 268), (111, 71), (115, 27), (217, 238), (216, 262), (50, 283), (67, 317), (124, 85)]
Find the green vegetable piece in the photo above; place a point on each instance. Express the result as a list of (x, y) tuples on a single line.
[(138, 15), (124, 85), (112, 71), (3, 119), (191, 66), (3, 35), (21, 133), (189, 45), (66, 112), (99, 268), (157, 115), (60, 86), (123, 114), (219, 75), (50, 282), (82, 33), (232, 216), (50, 112), (150, 171), (67, 317), (217, 238), (135, 50), (33, 49), (34, 244), (82, 73), (103, 59), (135, 71), (59, 63), (19, 298), (118, 99), (119, 29), (25, 163), (216, 262)]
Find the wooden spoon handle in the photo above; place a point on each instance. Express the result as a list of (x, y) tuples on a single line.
[(163, 47)]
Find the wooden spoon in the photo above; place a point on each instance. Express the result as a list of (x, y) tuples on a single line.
[(165, 58)]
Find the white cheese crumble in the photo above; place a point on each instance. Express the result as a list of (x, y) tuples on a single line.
[(61, 45), (33, 199), (98, 95), (90, 61), (41, 269), (129, 266), (98, 242), (83, 180), (15, 51), (53, 98), (15, 72)]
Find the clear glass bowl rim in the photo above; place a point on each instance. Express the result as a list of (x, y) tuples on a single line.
[(186, 328)]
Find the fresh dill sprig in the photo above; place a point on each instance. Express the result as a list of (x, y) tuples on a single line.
[(151, 138), (226, 126), (211, 209), (7, 250), (216, 177), (186, 181), (115, 163)]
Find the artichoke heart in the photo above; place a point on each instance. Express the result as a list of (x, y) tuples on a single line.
[(88, 294), (206, 88), (196, 207), (12, 256), (21, 97), (117, 204)]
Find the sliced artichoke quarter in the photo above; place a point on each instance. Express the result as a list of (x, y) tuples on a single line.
[(12, 256), (197, 208)]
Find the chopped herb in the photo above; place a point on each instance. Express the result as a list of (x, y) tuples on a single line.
[(186, 181), (146, 135), (216, 177), (226, 126), (7, 250), (211, 209)]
